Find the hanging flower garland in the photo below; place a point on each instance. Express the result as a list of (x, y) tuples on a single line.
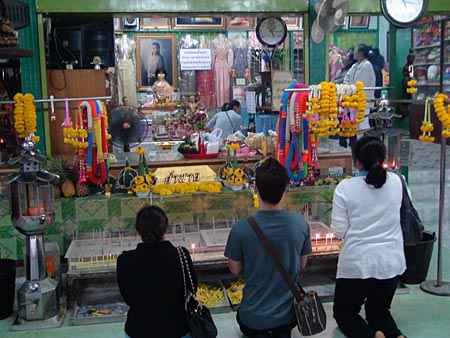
[(19, 117), (442, 113), (323, 114), (362, 102), (411, 86), (25, 118), (349, 105), (427, 127)]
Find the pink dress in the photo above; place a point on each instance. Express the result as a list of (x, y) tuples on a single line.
[(223, 53)]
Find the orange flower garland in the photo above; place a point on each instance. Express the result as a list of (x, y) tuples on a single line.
[(442, 113), (323, 114), (411, 86), (25, 116)]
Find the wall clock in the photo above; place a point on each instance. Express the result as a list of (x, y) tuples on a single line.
[(404, 13), (271, 31)]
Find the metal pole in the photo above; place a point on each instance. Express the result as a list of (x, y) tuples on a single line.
[(439, 287), (64, 99)]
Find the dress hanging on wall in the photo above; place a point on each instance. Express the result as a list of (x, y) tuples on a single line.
[(205, 80), (188, 81), (241, 51), (222, 49), (126, 70)]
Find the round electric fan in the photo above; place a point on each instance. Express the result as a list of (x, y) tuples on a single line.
[(330, 16), (128, 128)]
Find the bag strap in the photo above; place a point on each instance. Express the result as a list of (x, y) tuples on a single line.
[(185, 269), (269, 249), (405, 189), (229, 119)]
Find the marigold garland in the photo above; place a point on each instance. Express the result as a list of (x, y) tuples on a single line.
[(411, 86), (442, 113), (323, 114), (187, 188), (25, 119)]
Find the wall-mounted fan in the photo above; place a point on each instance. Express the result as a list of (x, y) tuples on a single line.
[(330, 16), (128, 128)]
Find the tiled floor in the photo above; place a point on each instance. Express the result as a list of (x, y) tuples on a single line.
[(418, 314)]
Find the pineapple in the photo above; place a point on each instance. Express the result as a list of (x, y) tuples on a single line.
[(67, 176), (82, 188), (68, 188)]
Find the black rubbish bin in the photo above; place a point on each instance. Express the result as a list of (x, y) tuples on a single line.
[(7, 287), (418, 259)]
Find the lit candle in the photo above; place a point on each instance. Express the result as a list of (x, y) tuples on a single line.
[(317, 240), (193, 251), (326, 240), (331, 240)]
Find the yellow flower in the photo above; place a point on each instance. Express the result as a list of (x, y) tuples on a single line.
[(239, 172), (238, 181), (144, 187), (139, 180), (140, 151)]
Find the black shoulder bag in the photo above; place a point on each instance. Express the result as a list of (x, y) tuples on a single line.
[(311, 316), (412, 226), (199, 319)]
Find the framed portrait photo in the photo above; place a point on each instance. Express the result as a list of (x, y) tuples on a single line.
[(359, 21), (155, 52), (156, 23), (240, 23), (199, 22)]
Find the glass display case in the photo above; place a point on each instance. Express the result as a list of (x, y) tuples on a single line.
[(446, 68), (426, 43)]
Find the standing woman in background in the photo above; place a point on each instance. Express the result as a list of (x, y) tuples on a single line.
[(372, 258), (150, 281), (362, 71)]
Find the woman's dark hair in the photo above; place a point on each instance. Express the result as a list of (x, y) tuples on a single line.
[(151, 224), (233, 104), (271, 179), (224, 107), (362, 48), (371, 152)]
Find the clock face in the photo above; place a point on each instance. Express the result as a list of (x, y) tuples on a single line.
[(403, 13), (271, 31)]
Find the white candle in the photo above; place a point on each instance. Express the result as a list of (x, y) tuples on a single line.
[(317, 240), (326, 240), (193, 251), (331, 240)]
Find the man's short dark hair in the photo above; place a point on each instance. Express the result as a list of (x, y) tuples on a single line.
[(271, 179)]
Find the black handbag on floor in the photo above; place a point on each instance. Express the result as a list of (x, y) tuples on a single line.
[(311, 316), (200, 321), (412, 226)]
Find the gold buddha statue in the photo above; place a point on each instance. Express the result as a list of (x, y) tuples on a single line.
[(163, 90)]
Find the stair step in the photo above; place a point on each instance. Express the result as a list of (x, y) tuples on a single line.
[(427, 176), (428, 192), (429, 212)]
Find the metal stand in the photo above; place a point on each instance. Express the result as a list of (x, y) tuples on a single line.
[(438, 287)]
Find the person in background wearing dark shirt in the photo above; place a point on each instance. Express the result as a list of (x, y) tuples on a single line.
[(377, 61), (150, 281)]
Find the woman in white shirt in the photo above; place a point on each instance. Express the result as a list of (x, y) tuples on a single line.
[(362, 71), (366, 212)]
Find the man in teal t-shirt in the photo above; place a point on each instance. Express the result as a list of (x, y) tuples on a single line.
[(267, 303)]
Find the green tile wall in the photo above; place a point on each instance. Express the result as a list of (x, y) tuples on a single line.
[(85, 214)]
